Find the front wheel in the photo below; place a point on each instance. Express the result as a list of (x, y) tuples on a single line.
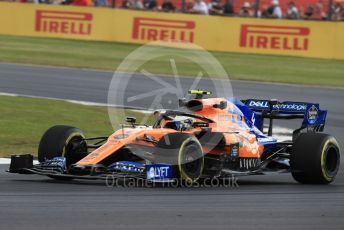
[(61, 140), (315, 158)]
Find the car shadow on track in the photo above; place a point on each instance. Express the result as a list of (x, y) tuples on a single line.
[(240, 183)]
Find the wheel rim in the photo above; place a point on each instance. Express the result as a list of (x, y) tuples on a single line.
[(331, 160), (192, 161), (74, 151)]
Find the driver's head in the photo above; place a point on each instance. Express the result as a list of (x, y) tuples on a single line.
[(180, 123)]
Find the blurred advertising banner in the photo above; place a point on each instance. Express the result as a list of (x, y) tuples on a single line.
[(243, 35)]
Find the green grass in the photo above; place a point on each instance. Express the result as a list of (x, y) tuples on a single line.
[(24, 120), (107, 56)]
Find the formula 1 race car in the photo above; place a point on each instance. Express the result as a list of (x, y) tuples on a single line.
[(206, 138)]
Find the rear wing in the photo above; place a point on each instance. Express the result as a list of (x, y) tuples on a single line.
[(310, 113)]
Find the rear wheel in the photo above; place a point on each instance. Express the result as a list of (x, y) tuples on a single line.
[(61, 140), (315, 158), (184, 152)]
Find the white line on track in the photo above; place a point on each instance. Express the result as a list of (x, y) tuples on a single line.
[(87, 103), (7, 161), (59, 99)]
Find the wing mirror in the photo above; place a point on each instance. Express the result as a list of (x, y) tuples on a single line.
[(131, 120)]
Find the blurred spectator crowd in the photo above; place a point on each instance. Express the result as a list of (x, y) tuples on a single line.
[(292, 9)]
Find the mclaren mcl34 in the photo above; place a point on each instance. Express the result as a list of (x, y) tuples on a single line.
[(206, 138)]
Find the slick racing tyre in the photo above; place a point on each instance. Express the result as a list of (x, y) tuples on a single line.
[(315, 158), (61, 140), (184, 152)]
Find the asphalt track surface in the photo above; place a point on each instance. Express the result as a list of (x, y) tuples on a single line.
[(260, 202)]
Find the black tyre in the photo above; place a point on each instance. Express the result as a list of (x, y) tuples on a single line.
[(61, 140), (315, 158), (184, 152)]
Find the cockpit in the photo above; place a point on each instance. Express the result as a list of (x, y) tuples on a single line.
[(178, 120)]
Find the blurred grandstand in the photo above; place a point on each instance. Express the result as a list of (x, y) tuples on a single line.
[(298, 9)]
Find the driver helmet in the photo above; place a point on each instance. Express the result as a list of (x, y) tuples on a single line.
[(182, 123)]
